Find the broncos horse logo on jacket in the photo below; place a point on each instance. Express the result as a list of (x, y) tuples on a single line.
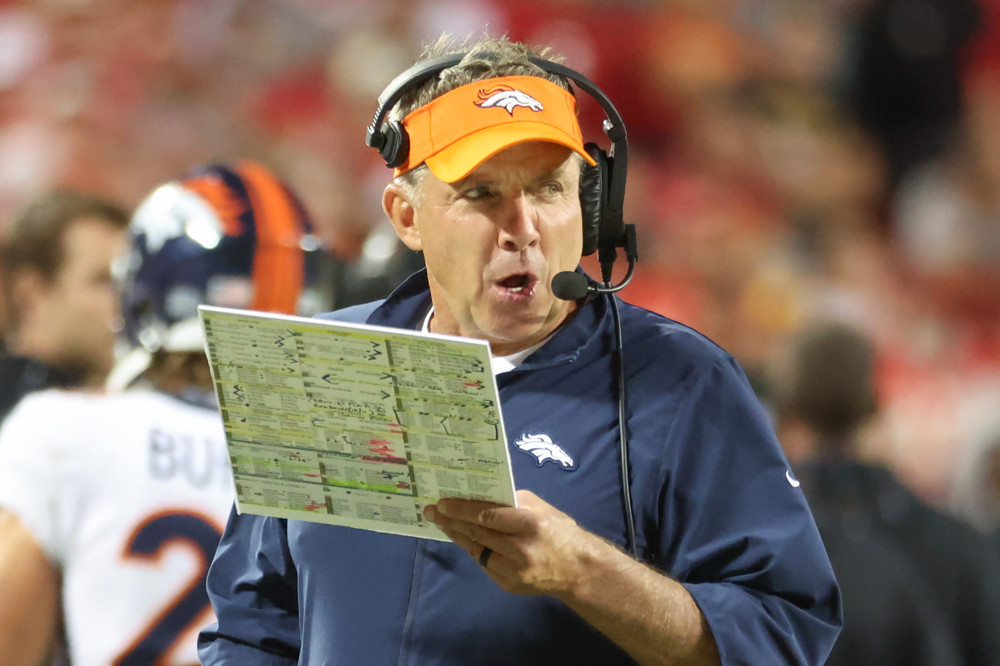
[(543, 448)]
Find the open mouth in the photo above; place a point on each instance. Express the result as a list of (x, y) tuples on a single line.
[(520, 283), (516, 283)]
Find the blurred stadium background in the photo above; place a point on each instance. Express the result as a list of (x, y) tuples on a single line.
[(791, 159)]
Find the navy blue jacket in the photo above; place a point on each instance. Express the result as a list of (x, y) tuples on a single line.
[(714, 506)]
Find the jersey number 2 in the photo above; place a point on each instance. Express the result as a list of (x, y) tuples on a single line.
[(150, 540)]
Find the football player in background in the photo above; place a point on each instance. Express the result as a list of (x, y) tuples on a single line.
[(56, 276), (111, 505)]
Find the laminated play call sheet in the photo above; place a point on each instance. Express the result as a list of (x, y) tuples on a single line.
[(356, 425)]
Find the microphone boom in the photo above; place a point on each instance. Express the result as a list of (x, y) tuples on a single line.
[(570, 286)]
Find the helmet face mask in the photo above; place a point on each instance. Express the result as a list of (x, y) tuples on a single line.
[(227, 236)]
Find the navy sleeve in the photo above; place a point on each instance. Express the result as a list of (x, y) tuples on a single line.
[(253, 587), (737, 530), (253, 583)]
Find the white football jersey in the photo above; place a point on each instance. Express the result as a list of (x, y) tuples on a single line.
[(128, 495)]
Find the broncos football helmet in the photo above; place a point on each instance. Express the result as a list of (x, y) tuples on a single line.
[(223, 235)]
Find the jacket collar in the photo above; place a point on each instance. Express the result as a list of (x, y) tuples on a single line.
[(406, 306)]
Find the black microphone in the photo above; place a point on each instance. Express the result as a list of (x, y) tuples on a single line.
[(570, 286)]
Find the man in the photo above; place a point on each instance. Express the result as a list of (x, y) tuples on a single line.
[(111, 505), (890, 616), (61, 306), (732, 569), (825, 396)]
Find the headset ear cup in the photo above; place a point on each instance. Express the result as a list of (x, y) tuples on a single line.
[(396, 147), (592, 197)]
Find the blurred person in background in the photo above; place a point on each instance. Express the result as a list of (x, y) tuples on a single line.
[(824, 398), (976, 495), (906, 83), (60, 303), (111, 505), (890, 615)]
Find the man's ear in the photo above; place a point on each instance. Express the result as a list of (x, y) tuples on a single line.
[(26, 288), (400, 211), (26, 300)]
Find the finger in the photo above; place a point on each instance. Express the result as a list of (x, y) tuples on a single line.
[(454, 531), (464, 509), (472, 539), (495, 564), (504, 563), (496, 517), (463, 533), (504, 572)]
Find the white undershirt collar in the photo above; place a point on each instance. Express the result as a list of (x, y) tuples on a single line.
[(501, 364)]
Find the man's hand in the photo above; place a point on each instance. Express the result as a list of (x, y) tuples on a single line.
[(536, 549)]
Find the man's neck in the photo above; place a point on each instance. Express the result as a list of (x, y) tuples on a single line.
[(67, 374)]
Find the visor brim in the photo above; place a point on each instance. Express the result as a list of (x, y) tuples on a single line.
[(467, 154)]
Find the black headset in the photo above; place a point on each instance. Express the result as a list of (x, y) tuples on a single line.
[(602, 197), (602, 186)]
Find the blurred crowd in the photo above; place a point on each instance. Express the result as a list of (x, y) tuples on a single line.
[(790, 159)]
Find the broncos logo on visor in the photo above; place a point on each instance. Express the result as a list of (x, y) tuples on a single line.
[(505, 97)]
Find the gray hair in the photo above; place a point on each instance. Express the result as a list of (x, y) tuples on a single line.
[(487, 57)]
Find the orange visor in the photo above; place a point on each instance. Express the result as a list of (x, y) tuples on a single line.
[(464, 127)]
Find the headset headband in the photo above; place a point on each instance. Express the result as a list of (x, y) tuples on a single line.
[(613, 125)]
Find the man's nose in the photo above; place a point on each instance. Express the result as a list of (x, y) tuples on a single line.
[(519, 228)]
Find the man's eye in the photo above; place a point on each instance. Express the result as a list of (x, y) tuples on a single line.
[(549, 189), (477, 193)]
